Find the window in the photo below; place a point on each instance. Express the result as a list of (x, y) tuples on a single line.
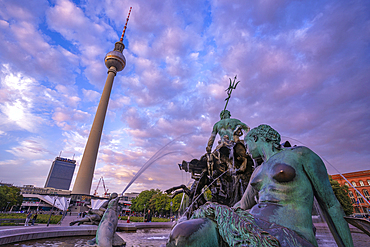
[(368, 181), (359, 198), (353, 200), (366, 194), (354, 184), (346, 184), (361, 183)]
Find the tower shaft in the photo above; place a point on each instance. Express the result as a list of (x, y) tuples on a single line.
[(85, 173), (114, 61)]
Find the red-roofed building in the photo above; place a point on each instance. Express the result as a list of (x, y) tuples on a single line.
[(361, 181)]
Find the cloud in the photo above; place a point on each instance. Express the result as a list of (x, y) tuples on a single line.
[(33, 148), (16, 107), (70, 21), (303, 68), (90, 95)]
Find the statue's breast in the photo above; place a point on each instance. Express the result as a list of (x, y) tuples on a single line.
[(283, 173), (279, 172)]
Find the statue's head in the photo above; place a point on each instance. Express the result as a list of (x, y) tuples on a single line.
[(265, 132), (225, 114), (113, 195)]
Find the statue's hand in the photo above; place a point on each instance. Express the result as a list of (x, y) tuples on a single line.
[(234, 172)]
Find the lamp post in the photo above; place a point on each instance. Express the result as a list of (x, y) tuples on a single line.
[(52, 208), (171, 209), (144, 214), (6, 206)]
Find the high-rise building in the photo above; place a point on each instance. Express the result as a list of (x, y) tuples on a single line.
[(61, 173)]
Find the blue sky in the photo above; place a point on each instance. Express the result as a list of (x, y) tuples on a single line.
[(303, 66)]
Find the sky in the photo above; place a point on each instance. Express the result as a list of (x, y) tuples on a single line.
[(303, 67)]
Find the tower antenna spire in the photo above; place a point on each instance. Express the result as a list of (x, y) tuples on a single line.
[(124, 29)]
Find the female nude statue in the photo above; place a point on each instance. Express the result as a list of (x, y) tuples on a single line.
[(279, 197)]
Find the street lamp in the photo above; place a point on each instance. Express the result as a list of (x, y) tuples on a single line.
[(171, 209), (6, 206), (52, 208), (144, 214)]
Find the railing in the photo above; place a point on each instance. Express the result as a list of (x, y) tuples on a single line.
[(12, 221)]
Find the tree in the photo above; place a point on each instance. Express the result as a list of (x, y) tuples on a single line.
[(160, 203), (10, 194), (341, 192), (143, 198), (176, 202)]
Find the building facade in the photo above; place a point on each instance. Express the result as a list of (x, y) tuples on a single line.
[(36, 202), (359, 189), (31, 189), (125, 202), (61, 173)]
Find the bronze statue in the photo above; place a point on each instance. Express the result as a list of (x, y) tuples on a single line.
[(106, 235), (227, 126), (226, 170), (94, 216), (280, 197)]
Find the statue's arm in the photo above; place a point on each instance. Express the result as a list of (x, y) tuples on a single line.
[(248, 199), (245, 127), (104, 206), (324, 194), (211, 139)]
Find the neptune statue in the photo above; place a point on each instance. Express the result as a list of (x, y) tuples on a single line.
[(276, 207)]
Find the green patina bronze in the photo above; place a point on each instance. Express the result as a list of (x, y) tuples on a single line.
[(229, 90), (279, 197), (236, 226), (226, 127)]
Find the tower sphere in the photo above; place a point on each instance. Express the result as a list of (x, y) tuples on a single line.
[(115, 59)]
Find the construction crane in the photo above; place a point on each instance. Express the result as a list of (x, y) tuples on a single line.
[(105, 189)]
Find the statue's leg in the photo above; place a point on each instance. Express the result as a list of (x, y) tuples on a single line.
[(196, 232)]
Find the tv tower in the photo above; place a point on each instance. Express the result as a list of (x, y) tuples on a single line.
[(115, 61)]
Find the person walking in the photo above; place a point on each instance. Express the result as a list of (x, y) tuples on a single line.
[(28, 217), (34, 219), (149, 216)]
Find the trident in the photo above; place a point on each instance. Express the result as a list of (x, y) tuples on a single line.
[(230, 89)]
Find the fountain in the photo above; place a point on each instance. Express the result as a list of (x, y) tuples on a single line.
[(284, 184), (263, 197), (275, 209)]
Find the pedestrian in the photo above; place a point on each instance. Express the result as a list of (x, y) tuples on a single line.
[(34, 219), (149, 216), (128, 219), (28, 217)]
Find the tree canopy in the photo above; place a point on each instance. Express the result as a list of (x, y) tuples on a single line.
[(341, 192), (156, 201), (10, 194)]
